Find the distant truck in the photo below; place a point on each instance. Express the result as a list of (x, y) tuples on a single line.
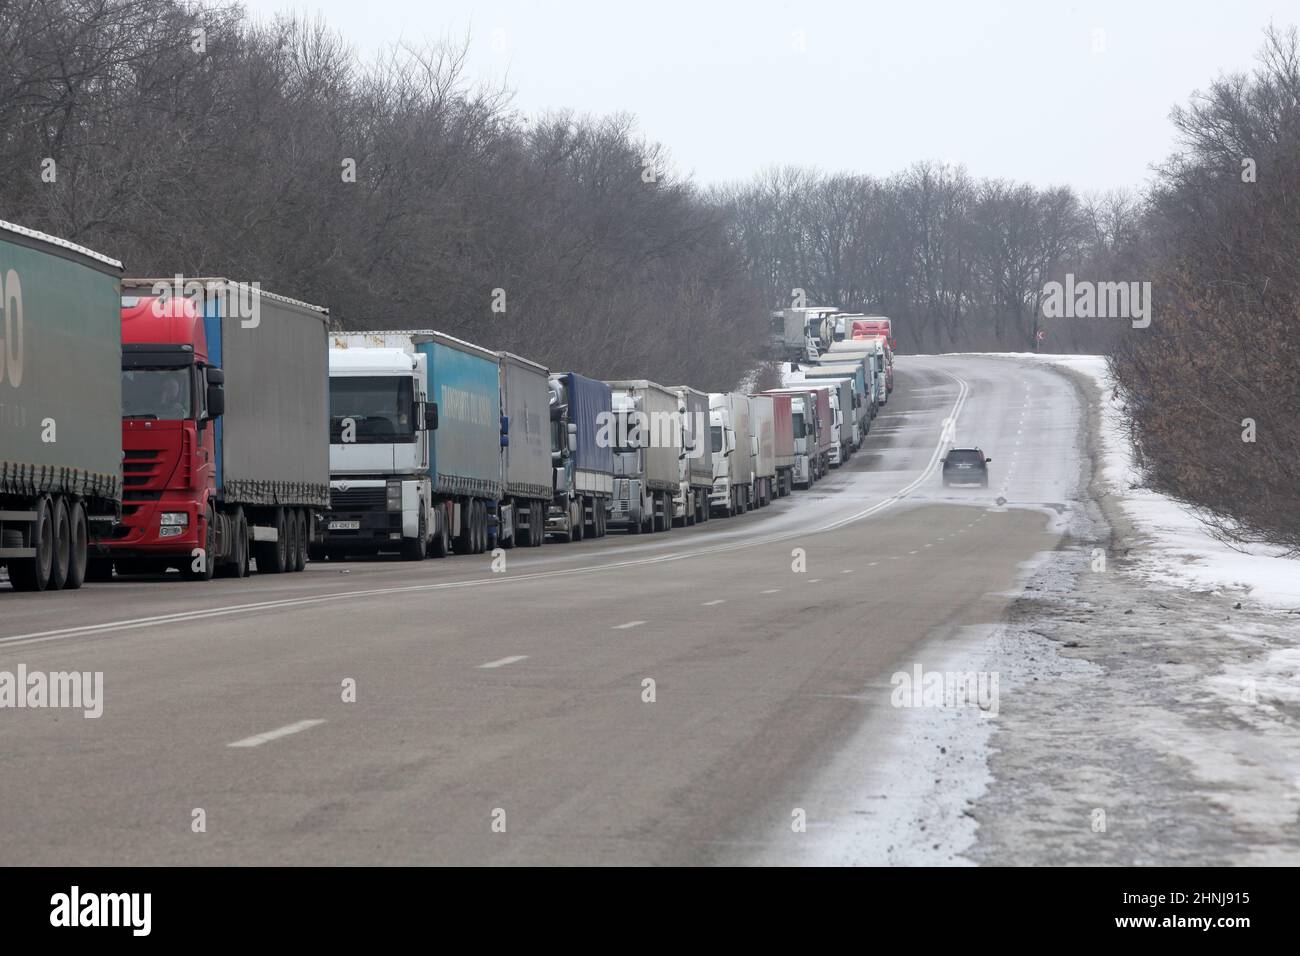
[(844, 404), (804, 433), (800, 334), (225, 436), (733, 453), (762, 426), (584, 467), (415, 445), (646, 431), (527, 481), (60, 379), (783, 443), (695, 461), (861, 352), (856, 372)]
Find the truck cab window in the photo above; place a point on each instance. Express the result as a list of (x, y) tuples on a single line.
[(165, 394)]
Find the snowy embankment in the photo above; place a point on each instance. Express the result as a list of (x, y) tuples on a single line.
[(1181, 550)]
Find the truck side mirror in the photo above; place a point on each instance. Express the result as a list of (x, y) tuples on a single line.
[(215, 376), (431, 416), (216, 397), (505, 426), (753, 446), (573, 438)]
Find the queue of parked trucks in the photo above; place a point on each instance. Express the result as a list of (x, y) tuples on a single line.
[(208, 426)]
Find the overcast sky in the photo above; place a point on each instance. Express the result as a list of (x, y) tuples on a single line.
[(1046, 92)]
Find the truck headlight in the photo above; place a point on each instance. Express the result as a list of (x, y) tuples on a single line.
[(394, 496), (175, 518)]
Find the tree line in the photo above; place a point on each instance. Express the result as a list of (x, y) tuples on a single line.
[(188, 138), (185, 137)]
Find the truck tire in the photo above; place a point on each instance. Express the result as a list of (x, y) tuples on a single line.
[(538, 531), (209, 554), (465, 540), (272, 555), (239, 566), (304, 526), (414, 549), (442, 540), (33, 574), (80, 551), (62, 545), (580, 526)]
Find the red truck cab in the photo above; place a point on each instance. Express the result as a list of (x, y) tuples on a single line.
[(171, 399)]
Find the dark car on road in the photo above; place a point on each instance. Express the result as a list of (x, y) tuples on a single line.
[(966, 466)]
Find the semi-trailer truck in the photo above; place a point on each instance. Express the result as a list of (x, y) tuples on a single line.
[(856, 372), (783, 443), (762, 426), (646, 434), (583, 466), (695, 462), (225, 435), (437, 498), (843, 426), (733, 448), (60, 406), (803, 427), (859, 353), (527, 481), (800, 334)]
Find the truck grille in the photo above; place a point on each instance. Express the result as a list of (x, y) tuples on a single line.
[(358, 499)]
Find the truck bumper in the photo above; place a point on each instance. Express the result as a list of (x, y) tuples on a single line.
[(370, 529), (141, 533)]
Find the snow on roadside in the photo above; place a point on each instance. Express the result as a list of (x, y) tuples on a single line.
[(1181, 551)]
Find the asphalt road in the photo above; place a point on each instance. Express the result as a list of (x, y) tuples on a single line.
[(515, 701)]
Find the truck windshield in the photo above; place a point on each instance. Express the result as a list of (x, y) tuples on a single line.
[(161, 393), (372, 410)]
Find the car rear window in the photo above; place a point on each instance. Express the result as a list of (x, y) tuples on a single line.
[(962, 457)]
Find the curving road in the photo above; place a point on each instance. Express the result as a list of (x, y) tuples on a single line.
[(519, 697)]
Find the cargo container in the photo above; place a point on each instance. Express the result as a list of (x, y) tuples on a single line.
[(804, 432), (224, 432), (416, 445), (831, 367), (860, 353), (60, 407), (800, 334), (646, 434), (695, 464), (526, 477), (847, 401), (784, 443), (762, 427), (583, 466), (733, 453)]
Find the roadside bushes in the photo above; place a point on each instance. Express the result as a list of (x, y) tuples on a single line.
[(1212, 387)]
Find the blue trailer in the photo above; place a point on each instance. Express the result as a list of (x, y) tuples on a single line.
[(582, 464)]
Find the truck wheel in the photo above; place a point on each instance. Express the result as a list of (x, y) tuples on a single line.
[(465, 540), (80, 546), (271, 555), (442, 540), (33, 574), (209, 554), (240, 568), (62, 545), (580, 526), (414, 549), (300, 558)]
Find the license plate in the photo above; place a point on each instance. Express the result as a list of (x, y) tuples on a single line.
[(345, 525)]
